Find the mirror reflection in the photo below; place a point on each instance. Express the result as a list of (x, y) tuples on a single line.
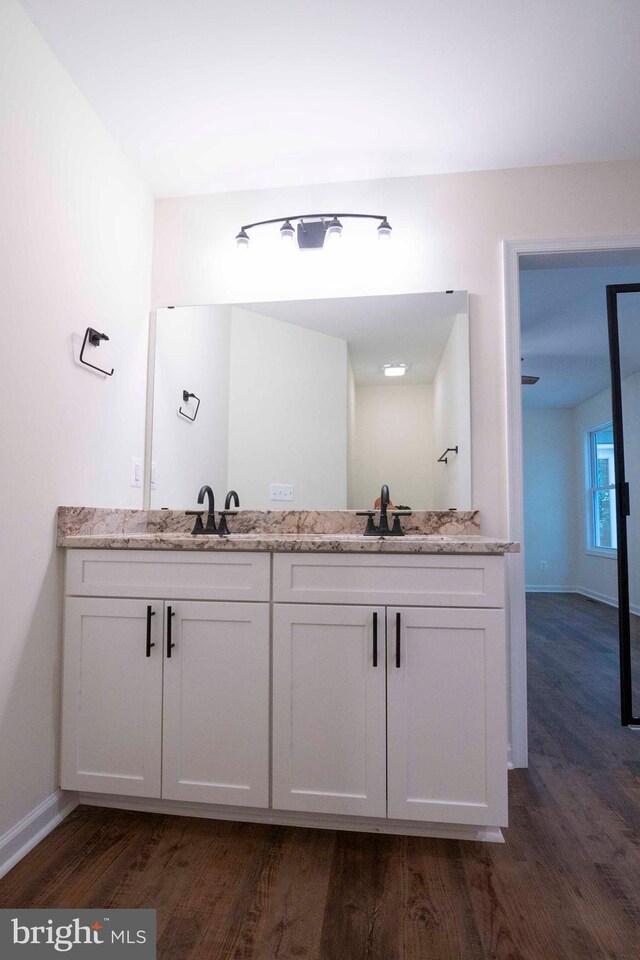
[(297, 405)]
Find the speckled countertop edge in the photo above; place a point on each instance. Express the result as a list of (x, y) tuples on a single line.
[(412, 544)]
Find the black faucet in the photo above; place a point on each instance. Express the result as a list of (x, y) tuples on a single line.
[(223, 529), (382, 530), (211, 512), (383, 527), (232, 495)]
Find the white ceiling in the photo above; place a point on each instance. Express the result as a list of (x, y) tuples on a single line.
[(564, 324), (209, 96), (406, 328)]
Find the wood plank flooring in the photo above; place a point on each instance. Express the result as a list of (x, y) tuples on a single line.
[(564, 886)]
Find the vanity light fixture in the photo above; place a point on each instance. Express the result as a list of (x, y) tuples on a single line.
[(287, 233), (242, 240), (333, 230), (384, 230), (312, 228), (395, 369)]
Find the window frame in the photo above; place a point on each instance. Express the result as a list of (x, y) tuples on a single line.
[(592, 489)]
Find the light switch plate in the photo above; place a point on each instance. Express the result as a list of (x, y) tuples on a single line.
[(281, 491), (136, 472)]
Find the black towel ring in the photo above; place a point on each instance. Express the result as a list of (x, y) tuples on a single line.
[(94, 338), (186, 396)]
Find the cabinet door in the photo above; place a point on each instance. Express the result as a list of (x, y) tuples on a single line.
[(329, 709), (216, 703), (112, 701), (446, 703)]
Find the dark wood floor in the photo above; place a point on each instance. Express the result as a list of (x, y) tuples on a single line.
[(565, 885)]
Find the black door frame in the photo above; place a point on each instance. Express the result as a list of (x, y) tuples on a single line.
[(627, 717)]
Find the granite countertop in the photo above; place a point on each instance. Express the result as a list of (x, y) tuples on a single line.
[(291, 531)]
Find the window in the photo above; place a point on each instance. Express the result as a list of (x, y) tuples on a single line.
[(601, 508)]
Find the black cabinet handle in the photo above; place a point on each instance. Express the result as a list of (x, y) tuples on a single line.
[(150, 613), (398, 639), (375, 639), (170, 645)]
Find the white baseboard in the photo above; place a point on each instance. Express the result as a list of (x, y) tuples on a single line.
[(17, 842), (610, 601), (547, 588), (600, 597), (584, 592), (184, 808)]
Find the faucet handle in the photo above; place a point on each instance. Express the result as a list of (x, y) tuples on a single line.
[(396, 530), (197, 527), (370, 530), (223, 529)]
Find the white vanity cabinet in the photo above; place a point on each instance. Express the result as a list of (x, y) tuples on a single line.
[(358, 690), (414, 730), (165, 696)]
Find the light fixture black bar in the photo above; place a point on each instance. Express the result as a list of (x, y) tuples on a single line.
[(627, 717), (313, 216)]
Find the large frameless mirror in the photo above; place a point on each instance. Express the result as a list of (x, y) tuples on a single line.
[(314, 404)]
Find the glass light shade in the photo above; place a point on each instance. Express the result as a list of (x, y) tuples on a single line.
[(384, 230), (334, 230), (287, 233), (242, 240)]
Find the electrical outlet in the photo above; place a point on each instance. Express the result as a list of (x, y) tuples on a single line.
[(543, 564), (281, 491), (136, 472)]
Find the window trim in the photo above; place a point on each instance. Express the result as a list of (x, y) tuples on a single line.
[(592, 549)]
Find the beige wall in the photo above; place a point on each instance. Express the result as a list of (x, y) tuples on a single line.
[(553, 495), (77, 229), (452, 421), (392, 444), (447, 235), (193, 348), (287, 414)]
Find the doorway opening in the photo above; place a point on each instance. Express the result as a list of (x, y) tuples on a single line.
[(568, 468)]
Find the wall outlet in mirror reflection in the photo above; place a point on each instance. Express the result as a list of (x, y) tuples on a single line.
[(281, 491)]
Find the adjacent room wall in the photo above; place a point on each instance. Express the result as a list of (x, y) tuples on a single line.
[(556, 498), (287, 414), (76, 252), (452, 421), (552, 491), (193, 347), (597, 576), (393, 444)]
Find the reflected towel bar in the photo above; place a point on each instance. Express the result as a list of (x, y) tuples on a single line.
[(186, 396), (443, 458)]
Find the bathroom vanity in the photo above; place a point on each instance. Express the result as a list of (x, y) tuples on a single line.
[(300, 676)]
